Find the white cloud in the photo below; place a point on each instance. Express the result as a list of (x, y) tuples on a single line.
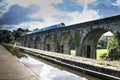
[(2, 4), (86, 15), (85, 2), (78, 17), (30, 25), (108, 34), (117, 3), (26, 3), (47, 11)]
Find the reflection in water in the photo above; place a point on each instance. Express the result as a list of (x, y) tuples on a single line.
[(47, 72)]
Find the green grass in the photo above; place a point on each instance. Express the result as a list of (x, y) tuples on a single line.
[(72, 52), (100, 52)]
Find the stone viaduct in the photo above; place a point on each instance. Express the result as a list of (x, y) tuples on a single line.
[(84, 37)]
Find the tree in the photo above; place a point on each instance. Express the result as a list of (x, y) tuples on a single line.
[(6, 36), (102, 42), (112, 43), (20, 32), (113, 48), (77, 40)]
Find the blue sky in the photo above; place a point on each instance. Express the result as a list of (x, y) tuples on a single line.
[(33, 14)]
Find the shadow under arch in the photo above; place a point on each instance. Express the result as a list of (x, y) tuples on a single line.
[(64, 43), (25, 42), (37, 42), (30, 42), (48, 42)]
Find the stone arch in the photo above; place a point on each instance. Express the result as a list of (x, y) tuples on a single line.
[(89, 42), (48, 43), (30, 42), (64, 43), (37, 42)]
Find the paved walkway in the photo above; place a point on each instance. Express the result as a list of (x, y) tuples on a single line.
[(12, 69)]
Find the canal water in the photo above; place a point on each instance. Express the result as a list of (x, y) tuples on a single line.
[(49, 71)]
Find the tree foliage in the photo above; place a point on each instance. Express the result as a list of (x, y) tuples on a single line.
[(77, 39), (6, 36), (118, 37), (113, 48), (102, 42), (19, 32), (55, 37), (112, 43)]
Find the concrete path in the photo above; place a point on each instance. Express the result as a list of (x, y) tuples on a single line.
[(12, 69)]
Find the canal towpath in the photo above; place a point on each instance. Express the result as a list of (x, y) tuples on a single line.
[(12, 69)]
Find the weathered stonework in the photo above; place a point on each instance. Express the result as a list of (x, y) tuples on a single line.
[(89, 32)]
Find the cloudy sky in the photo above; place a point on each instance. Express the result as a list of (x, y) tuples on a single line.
[(33, 14)]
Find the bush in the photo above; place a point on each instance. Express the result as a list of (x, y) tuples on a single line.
[(114, 54)]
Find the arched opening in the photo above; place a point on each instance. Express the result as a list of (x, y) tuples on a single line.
[(64, 43), (37, 42), (102, 43), (108, 47), (48, 47), (72, 47), (30, 42), (48, 44), (91, 41), (88, 51)]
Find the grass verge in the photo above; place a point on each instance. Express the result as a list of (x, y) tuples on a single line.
[(100, 52)]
